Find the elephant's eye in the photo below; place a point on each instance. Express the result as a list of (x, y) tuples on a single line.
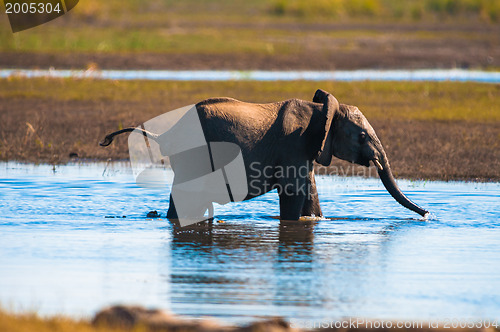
[(362, 138)]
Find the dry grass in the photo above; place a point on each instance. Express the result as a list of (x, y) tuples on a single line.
[(137, 319), (33, 322), (446, 131)]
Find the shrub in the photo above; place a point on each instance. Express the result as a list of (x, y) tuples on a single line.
[(488, 10)]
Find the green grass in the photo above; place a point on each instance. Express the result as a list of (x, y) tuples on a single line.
[(486, 10), (399, 100), (223, 26), (212, 40), (111, 39)]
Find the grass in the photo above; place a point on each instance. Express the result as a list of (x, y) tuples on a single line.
[(117, 322), (222, 26), (32, 322), (444, 130), (486, 10), (428, 101), (212, 40), (112, 39)]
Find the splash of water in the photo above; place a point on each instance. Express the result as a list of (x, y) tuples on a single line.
[(312, 218), (429, 217)]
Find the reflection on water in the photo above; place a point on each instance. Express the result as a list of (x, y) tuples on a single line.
[(59, 254)]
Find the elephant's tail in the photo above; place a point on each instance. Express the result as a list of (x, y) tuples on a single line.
[(109, 138)]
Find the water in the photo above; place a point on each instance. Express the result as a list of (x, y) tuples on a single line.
[(454, 75), (60, 254)]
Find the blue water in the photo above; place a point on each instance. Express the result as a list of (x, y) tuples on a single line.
[(454, 75), (60, 254)]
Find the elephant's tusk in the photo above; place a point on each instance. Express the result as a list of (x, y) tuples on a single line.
[(378, 164)]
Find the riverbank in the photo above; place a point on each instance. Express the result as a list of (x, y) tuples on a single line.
[(443, 131), (130, 318)]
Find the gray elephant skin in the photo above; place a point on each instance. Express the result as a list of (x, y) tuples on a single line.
[(279, 142)]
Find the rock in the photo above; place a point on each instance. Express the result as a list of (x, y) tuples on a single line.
[(128, 317), (271, 325), (136, 317), (153, 214)]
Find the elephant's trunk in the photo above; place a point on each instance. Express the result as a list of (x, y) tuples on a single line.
[(385, 173)]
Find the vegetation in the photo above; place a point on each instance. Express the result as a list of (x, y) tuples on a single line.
[(486, 10), (115, 323), (472, 102), (32, 322), (238, 26)]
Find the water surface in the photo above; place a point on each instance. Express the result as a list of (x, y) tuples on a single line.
[(59, 253), (433, 75)]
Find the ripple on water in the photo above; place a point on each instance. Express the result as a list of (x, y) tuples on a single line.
[(370, 257)]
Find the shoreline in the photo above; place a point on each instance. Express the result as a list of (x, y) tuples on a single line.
[(332, 170), (137, 318)]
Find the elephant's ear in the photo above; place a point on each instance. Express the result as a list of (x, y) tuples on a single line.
[(330, 108)]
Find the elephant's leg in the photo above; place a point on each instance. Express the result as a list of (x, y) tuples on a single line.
[(311, 205), (172, 212), (291, 205)]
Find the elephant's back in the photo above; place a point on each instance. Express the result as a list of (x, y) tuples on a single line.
[(233, 108), (228, 119)]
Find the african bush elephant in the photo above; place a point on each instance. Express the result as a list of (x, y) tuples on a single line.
[(279, 142)]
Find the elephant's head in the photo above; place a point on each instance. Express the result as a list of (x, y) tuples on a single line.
[(349, 136)]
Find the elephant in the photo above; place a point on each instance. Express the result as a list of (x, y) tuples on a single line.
[(279, 142)]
